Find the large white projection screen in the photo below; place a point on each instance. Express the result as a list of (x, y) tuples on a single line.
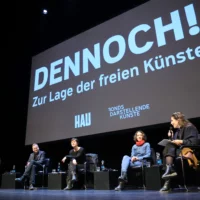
[(131, 71)]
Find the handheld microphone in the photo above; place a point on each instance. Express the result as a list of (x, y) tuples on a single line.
[(171, 134)]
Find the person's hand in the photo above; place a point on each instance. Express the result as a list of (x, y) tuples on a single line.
[(74, 162), (178, 142), (134, 158), (27, 164), (63, 160), (169, 133)]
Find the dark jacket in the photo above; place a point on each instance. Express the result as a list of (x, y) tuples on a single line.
[(189, 135), (78, 155), (39, 158)]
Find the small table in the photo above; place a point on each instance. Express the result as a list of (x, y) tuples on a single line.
[(56, 181), (153, 177), (105, 180), (8, 181)]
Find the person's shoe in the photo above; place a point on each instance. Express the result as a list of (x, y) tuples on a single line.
[(168, 176), (69, 186), (20, 179), (120, 186), (166, 187), (169, 172), (123, 177), (31, 187), (74, 178)]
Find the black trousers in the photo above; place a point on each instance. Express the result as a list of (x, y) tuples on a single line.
[(30, 171), (170, 150)]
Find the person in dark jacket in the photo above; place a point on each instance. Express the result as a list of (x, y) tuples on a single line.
[(186, 134), (35, 162)]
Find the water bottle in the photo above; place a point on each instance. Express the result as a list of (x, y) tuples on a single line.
[(102, 165), (158, 159), (13, 169), (58, 169)]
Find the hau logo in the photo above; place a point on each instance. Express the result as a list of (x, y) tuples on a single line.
[(82, 120)]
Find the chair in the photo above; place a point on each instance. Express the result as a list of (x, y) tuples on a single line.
[(195, 148), (82, 170), (45, 170), (151, 159), (92, 161), (88, 167)]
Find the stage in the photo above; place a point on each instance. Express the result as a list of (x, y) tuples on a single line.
[(40, 194)]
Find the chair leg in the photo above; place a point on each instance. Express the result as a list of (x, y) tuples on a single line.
[(26, 185), (85, 181), (43, 180), (143, 177), (43, 176), (183, 172), (85, 176)]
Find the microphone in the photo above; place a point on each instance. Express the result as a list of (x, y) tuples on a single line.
[(170, 133)]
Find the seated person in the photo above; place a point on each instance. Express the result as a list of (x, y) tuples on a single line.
[(35, 162), (186, 134), (76, 156), (139, 151)]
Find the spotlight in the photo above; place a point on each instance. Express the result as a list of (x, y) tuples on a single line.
[(45, 11)]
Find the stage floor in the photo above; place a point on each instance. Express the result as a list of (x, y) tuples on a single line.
[(40, 194)]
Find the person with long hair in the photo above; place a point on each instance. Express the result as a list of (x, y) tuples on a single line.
[(141, 149), (186, 134)]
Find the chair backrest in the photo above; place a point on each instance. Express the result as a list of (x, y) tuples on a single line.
[(198, 140), (46, 165), (153, 156), (151, 159), (47, 162), (92, 160)]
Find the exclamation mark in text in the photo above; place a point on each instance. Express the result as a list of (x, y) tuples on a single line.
[(192, 20)]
